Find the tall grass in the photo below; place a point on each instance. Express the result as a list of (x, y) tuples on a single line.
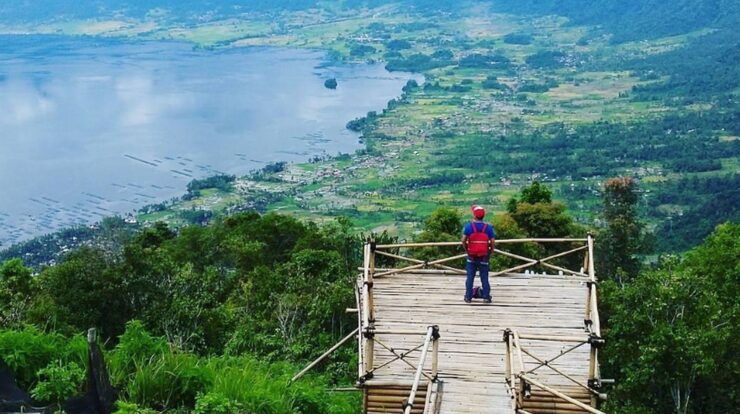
[(151, 375), (29, 350)]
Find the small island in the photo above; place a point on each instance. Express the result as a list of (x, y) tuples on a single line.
[(331, 83)]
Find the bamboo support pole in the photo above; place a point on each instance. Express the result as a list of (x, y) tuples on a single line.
[(519, 352), (398, 332), (515, 256), (419, 370), (366, 299), (447, 259), (555, 256), (561, 395), (435, 358), (510, 378), (371, 276), (428, 399), (401, 270), (399, 257), (511, 269), (324, 355), (593, 366), (563, 269), (595, 322), (451, 269), (591, 271), (553, 338), (421, 265), (361, 356)]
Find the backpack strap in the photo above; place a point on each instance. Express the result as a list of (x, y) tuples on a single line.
[(485, 227), (472, 226)]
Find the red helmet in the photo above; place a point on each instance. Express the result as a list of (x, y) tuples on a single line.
[(478, 212)]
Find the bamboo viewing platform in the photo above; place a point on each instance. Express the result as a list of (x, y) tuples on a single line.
[(533, 350)]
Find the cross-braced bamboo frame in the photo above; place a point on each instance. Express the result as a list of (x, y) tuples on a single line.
[(520, 380)]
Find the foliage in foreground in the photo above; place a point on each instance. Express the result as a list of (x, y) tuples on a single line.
[(152, 377)]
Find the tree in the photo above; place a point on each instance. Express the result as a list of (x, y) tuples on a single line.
[(534, 193), (15, 292), (83, 292), (444, 224), (621, 240), (331, 83)]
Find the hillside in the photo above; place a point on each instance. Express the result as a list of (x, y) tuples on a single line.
[(662, 109)]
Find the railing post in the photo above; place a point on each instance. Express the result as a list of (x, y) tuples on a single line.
[(435, 352), (510, 379), (586, 267), (371, 275), (368, 321), (593, 318)]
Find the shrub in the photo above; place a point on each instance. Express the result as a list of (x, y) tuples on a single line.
[(123, 407), (58, 381), (215, 403)]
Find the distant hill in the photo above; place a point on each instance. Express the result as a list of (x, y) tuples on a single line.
[(629, 20), (18, 11)]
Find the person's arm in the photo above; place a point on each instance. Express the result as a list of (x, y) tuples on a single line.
[(465, 237), (491, 240)]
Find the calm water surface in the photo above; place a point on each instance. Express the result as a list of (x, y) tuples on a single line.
[(91, 127)]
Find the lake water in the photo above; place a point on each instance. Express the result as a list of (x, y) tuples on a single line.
[(92, 127)]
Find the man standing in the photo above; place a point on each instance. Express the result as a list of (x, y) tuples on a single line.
[(478, 240)]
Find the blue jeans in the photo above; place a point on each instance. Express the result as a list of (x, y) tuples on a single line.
[(477, 264)]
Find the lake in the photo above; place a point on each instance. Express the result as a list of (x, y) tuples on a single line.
[(93, 127)]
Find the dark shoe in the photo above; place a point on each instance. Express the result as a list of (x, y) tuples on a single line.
[(488, 300), (467, 300)]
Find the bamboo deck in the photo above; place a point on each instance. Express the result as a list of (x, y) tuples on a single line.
[(471, 346)]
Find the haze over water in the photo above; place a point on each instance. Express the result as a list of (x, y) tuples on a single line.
[(91, 127)]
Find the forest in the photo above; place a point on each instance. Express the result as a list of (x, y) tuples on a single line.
[(186, 317)]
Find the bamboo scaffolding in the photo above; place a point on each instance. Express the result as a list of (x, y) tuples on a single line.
[(393, 307)]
